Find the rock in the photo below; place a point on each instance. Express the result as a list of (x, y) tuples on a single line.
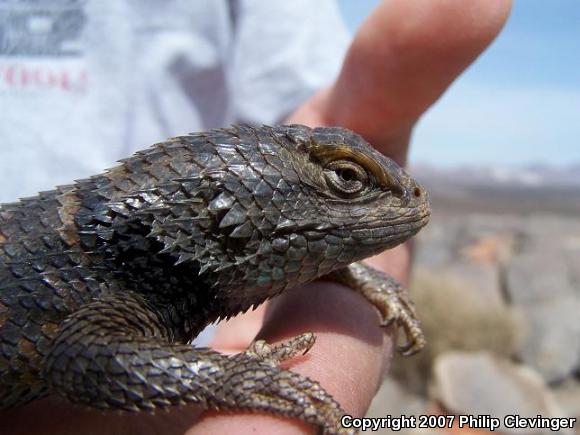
[(393, 400), (542, 288), (549, 227), (482, 384), (482, 277), (538, 275), (550, 340), (568, 397), (572, 254)]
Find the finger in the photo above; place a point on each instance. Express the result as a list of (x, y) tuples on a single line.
[(348, 359), (402, 59)]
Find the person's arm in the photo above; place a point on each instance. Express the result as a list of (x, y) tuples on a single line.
[(402, 59)]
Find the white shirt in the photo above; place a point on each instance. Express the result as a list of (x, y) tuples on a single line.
[(86, 82)]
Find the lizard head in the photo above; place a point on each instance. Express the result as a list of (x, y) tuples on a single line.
[(359, 199), (295, 203)]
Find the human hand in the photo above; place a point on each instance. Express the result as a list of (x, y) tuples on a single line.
[(402, 59)]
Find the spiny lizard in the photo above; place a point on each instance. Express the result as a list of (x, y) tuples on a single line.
[(103, 283)]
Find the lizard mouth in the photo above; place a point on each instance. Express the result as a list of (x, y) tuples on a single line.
[(376, 233), (414, 218), (380, 234)]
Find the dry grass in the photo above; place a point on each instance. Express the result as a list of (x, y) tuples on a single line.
[(455, 316)]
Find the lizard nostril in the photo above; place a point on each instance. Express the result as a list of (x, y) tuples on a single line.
[(417, 192)]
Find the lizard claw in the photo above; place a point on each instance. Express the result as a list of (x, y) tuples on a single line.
[(411, 347), (411, 326), (414, 334), (398, 309), (390, 298), (387, 321)]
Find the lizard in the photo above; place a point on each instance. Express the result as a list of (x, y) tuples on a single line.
[(105, 282)]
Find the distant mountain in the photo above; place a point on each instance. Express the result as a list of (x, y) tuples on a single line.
[(533, 175), (526, 189)]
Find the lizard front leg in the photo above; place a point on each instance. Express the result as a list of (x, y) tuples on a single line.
[(389, 297), (117, 353)]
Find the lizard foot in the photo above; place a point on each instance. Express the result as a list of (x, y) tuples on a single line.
[(389, 297), (276, 353), (258, 385)]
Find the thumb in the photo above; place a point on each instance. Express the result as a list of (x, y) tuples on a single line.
[(403, 58)]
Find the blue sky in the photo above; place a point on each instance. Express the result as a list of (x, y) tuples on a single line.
[(518, 104)]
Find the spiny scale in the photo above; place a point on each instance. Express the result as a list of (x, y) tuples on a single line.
[(104, 282)]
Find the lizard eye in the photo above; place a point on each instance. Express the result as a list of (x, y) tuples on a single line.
[(346, 177)]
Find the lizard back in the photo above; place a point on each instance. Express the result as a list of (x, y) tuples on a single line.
[(194, 229)]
